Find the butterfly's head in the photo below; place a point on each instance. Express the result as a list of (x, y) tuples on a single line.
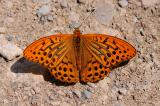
[(77, 31)]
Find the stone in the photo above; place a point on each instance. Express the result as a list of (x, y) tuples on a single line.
[(43, 10), (123, 3), (9, 50), (148, 3), (104, 13)]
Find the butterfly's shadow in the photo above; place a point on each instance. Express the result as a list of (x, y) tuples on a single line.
[(24, 66)]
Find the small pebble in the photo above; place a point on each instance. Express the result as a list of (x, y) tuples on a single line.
[(43, 18), (83, 105), (2, 30), (27, 88), (122, 91), (119, 97), (114, 32), (103, 84), (44, 10), (74, 21), (92, 85), (123, 3), (9, 37), (33, 91), (10, 19), (77, 93), (35, 100), (103, 99), (56, 103), (9, 4), (87, 94), (8, 50), (65, 104), (74, 25), (118, 103), (63, 3), (27, 84), (3, 40), (104, 13), (50, 18), (81, 1), (41, 1), (148, 3), (37, 90), (51, 97), (75, 18), (141, 32)]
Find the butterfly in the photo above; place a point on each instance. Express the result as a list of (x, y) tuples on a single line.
[(80, 57)]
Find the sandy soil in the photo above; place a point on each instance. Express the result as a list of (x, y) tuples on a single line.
[(136, 84)]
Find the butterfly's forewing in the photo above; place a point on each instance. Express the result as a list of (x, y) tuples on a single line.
[(54, 53), (101, 53)]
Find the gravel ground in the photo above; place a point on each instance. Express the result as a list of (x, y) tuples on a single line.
[(27, 84)]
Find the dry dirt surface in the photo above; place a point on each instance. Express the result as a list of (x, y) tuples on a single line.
[(23, 83)]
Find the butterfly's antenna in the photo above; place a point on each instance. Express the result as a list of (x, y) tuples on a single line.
[(86, 18)]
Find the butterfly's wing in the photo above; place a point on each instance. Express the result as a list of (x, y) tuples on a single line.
[(54, 53), (101, 53)]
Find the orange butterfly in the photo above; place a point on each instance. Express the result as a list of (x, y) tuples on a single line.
[(75, 57)]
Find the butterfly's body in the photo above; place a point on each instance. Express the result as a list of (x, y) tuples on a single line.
[(79, 57), (76, 44)]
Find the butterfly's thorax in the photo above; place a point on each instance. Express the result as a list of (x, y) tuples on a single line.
[(76, 44)]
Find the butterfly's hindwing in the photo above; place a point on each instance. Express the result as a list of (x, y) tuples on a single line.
[(104, 53)]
